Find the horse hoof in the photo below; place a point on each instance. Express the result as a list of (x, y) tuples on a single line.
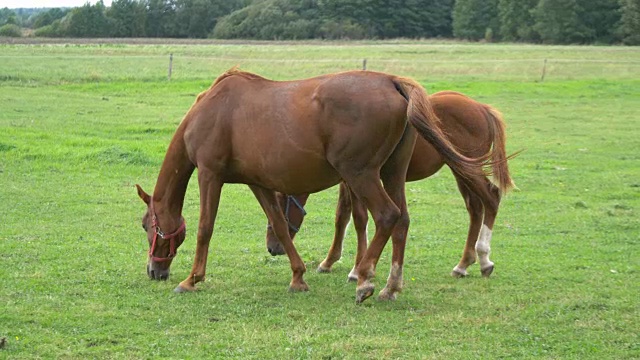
[(459, 273), (298, 287), (486, 272), (364, 291), (323, 269), (387, 295), (181, 289)]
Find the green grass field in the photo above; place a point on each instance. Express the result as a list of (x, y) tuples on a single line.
[(81, 124)]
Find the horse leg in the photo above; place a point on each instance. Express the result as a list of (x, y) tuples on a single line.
[(484, 199), (360, 220), (210, 189), (393, 176), (270, 205), (399, 240), (483, 246), (385, 215), (342, 220), (475, 208)]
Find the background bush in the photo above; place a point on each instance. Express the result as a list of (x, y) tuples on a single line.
[(10, 30)]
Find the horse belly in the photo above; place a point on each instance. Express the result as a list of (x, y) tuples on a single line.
[(425, 161), (289, 172)]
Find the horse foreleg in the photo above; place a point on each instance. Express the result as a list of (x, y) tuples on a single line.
[(271, 207), (343, 210), (210, 189)]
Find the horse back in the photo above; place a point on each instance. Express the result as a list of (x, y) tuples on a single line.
[(290, 136)]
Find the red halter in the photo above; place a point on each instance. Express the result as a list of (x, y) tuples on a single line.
[(171, 237)]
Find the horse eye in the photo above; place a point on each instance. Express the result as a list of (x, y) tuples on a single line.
[(144, 226)]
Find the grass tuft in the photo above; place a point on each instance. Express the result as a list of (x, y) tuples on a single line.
[(117, 155)]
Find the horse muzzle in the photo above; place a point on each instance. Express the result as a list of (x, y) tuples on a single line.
[(276, 249), (156, 273)]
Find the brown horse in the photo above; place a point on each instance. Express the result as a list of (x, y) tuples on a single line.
[(474, 128), (296, 137)]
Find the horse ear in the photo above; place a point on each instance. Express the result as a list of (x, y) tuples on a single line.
[(143, 195)]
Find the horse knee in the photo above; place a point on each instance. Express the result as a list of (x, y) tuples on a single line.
[(403, 221), (389, 218)]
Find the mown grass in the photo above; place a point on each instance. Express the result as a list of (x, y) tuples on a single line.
[(79, 125)]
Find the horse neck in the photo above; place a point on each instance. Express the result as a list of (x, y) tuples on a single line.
[(171, 187)]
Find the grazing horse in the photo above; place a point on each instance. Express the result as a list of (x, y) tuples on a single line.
[(296, 137), (474, 128)]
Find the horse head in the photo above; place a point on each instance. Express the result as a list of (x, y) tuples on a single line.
[(293, 211), (163, 246)]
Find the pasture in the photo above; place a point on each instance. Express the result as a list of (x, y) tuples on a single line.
[(80, 124)]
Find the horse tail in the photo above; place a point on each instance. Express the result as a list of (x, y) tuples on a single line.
[(499, 167), (421, 115)]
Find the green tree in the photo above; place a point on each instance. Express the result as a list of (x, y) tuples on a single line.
[(561, 22), (161, 18), (10, 30), (55, 29), (128, 18), (629, 28), (8, 16), (48, 17), (409, 18), (271, 19), (197, 18), (473, 19), (391, 18), (602, 17), (89, 21), (516, 20)]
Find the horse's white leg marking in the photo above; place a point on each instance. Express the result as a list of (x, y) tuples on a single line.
[(394, 283), (483, 247), (353, 275), (460, 271)]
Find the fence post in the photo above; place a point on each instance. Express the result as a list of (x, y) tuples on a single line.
[(364, 64), (170, 66), (544, 70)]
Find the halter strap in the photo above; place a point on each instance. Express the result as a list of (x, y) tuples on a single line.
[(159, 233), (286, 212)]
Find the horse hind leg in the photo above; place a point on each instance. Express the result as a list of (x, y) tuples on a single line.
[(476, 212), (385, 215), (482, 199), (483, 246), (395, 187), (393, 176)]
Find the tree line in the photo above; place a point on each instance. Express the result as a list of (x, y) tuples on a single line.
[(536, 21)]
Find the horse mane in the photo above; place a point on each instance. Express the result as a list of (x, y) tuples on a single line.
[(234, 71)]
